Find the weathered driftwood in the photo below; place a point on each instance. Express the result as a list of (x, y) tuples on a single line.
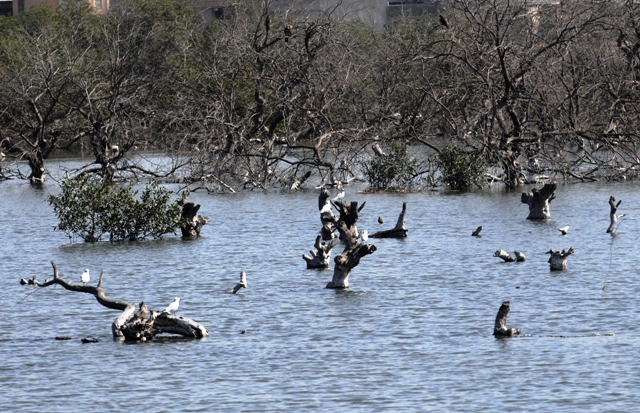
[(142, 325), (538, 201), (612, 214), (504, 255), (476, 233), (321, 258), (519, 256), (191, 222), (399, 231), (326, 215), (558, 259), (500, 329), (353, 251), (241, 284)]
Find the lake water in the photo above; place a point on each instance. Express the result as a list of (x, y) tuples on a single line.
[(414, 332)]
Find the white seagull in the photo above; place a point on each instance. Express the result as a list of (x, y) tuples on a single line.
[(326, 208), (173, 307), (364, 235), (564, 230), (339, 196), (85, 277)]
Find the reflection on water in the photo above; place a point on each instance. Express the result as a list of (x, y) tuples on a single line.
[(412, 334)]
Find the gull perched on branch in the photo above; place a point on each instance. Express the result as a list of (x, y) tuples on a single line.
[(339, 196), (173, 307), (85, 277)]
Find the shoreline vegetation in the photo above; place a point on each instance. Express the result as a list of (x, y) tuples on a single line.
[(488, 91)]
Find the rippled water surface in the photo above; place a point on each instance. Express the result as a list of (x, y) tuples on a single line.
[(412, 334)]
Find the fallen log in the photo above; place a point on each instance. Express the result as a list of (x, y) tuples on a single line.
[(321, 258), (399, 231), (558, 259), (131, 325), (539, 200), (500, 328), (504, 255)]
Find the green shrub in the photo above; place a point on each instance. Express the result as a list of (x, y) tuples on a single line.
[(90, 208), (394, 170), (459, 169)]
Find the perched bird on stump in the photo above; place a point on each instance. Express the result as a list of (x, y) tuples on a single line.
[(85, 277), (173, 307), (564, 230), (380, 221)]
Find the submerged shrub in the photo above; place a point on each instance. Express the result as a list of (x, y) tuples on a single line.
[(459, 169), (394, 170), (90, 208)]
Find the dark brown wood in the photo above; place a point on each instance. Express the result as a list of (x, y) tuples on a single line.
[(539, 200), (500, 329), (191, 222), (476, 233), (399, 231), (131, 327), (612, 214), (321, 258), (558, 259)]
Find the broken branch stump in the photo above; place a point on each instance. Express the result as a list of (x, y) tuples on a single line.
[(558, 259), (321, 258), (612, 214), (539, 200), (191, 222), (500, 329), (399, 231)]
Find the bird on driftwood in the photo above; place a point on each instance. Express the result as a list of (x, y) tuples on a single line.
[(364, 235), (564, 230), (476, 233), (85, 277), (339, 196), (173, 307), (380, 220)]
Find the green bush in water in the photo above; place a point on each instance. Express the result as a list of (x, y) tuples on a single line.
[(460, 170), (90, 208), (391, 171)]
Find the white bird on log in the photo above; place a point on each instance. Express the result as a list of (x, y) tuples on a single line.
[(173, 307), (364, 235), (85, 277), (339, 196), (326, 208), (564, 229)]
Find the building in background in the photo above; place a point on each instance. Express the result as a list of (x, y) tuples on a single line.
[(6, 8)]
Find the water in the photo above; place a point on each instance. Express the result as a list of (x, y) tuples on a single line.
[(412, 334)]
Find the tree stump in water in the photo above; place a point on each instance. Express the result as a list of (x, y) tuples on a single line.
[(539, 200), (321, 258), (612, 214), (191, 222), (142, 325), (353, 251), (500, 329), (504, 255), (558, 259), (399, 231), (326, 215)]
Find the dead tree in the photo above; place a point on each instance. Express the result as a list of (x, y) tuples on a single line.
[(191, 223), (131, 325), (326, 215), (321, 258), (539, 200), (612, 214), (353, 251), (558, 259), (500, 329), (399, 231)]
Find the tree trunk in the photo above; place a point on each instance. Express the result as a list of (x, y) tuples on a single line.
[(539, 200), (326, 215), (399, 231), (36, 163), (500, 329), (322, 257), (191, 223), (140, 326), (558, 259)]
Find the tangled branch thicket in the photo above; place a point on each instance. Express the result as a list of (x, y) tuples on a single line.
[(262, 99)]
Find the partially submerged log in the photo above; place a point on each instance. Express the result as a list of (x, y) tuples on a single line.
[(326, 215), (399, 231), (539, 200), (612, 214), (241, 284), (353, 251), (504, 255), (500, 329), (142, 325), (558, 259), (191, 222), (519, 256), (476, 233), (321, 258)]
